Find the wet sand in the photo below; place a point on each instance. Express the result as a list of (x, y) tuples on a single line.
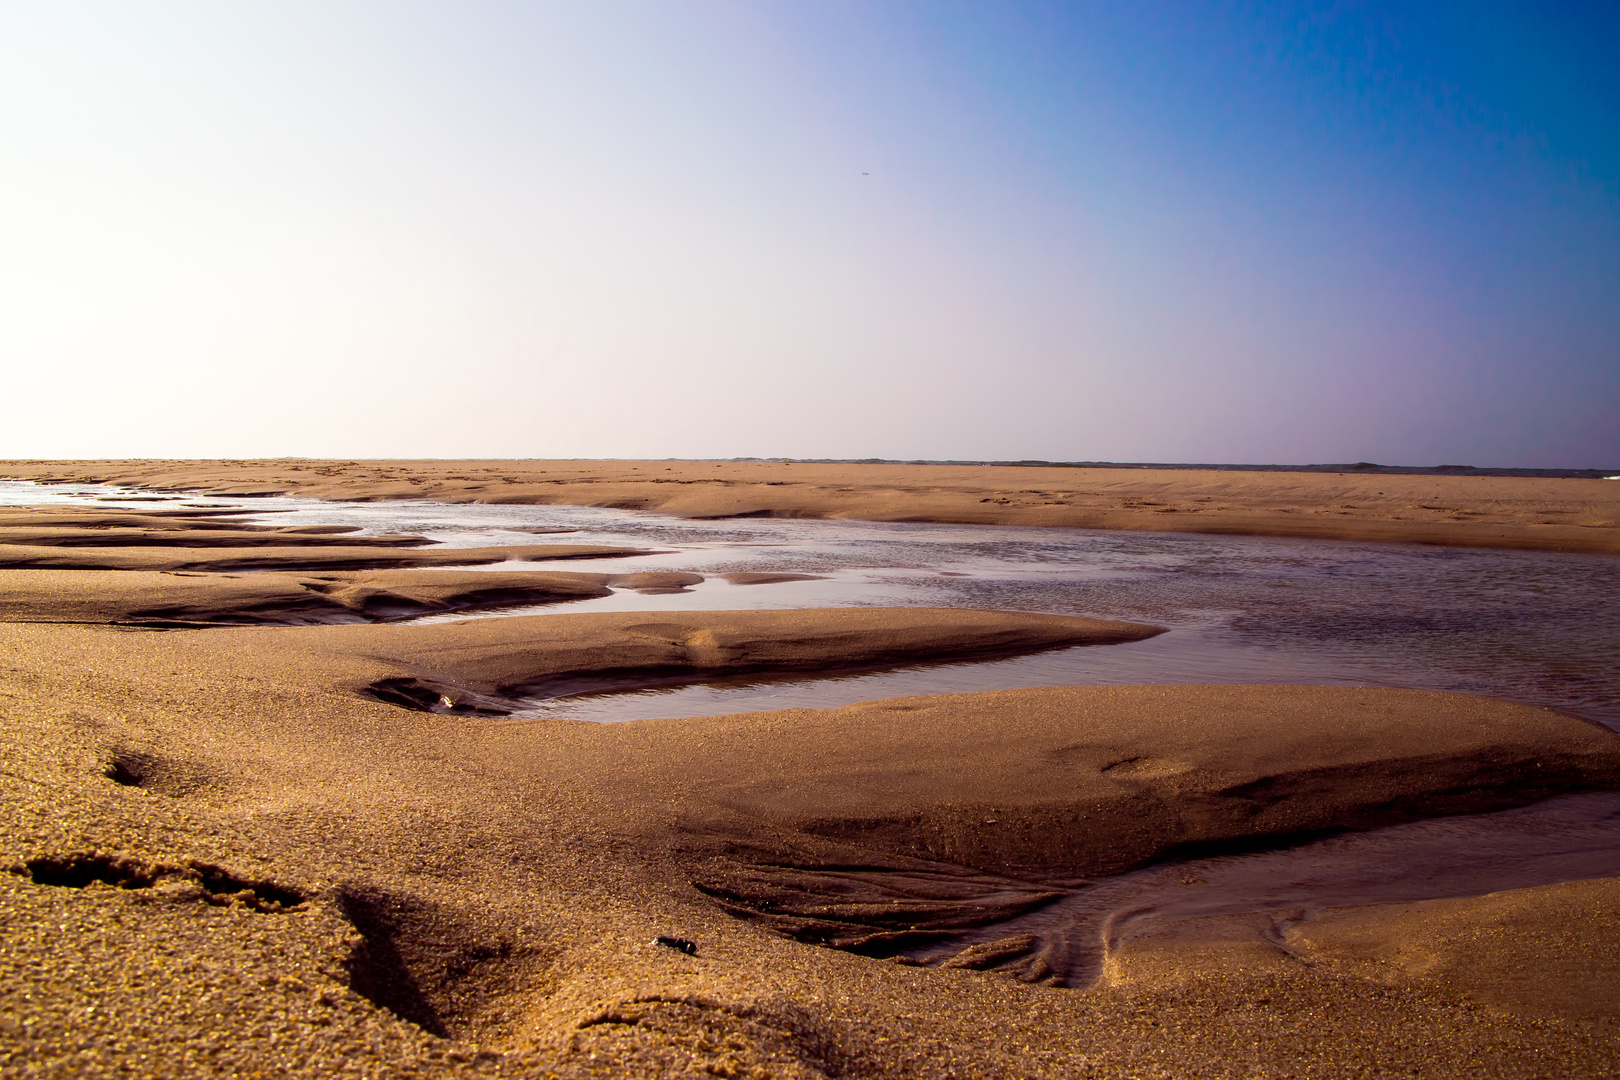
[(325, 850), (491, 666), (1475, 511), (37, 538), (25, 557), (224, 859), (196, 598)]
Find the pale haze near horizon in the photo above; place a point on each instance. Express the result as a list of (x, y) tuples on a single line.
[(1063, 232)]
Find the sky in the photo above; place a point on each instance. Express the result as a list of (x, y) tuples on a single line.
[(1172, 232)]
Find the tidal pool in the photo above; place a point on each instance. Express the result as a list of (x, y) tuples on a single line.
[(1535, 627)]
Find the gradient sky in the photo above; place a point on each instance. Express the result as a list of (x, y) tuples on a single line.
[(1133, 232)]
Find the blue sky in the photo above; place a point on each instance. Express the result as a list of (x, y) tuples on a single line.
[(1143, 232)]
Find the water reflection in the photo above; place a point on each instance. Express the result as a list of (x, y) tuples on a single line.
[(1539, 627)]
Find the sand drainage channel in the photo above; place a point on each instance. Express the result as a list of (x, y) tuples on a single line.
[(1536, 627), (1570, 838)]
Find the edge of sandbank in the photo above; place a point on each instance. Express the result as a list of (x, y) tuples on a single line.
[(1504, 512)]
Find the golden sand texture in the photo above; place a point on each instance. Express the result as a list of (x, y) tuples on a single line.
[(1083, 781), (769, 578), (1548, 953), (145, 596), (1545, 952), (25, 557), (1474, 511), (83, 527), (486, 665), (226, 861), (327, 850), (96, 537), (37, 538)]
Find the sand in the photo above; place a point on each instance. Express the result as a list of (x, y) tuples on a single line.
[(75, 527), (226, 861), (34, 538), (146, 596), (1473, 511), (487, 666), (69, 537), (331, 850), (1541, 952), (86, 517), (748, 578), (267, 598), (24, 557)]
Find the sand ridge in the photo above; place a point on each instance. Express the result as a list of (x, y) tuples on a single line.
[(1475, 511), (200, 598), (223, 860), (488, 666), (36, 538), (336, 557), (298, 537), (328, 850)]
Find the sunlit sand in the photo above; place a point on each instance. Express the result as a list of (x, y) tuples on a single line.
[(266, 797)]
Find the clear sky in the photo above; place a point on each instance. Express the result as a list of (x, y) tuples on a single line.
[(1134, 231)]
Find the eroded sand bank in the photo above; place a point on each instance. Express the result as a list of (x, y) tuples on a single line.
[(226, 859), (489, 665), (24, 557), (147, 596), (36, 538), (302, 850), (1479, 511)]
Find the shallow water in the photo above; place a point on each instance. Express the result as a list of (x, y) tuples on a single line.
[(1571, 838), (1537, 627)]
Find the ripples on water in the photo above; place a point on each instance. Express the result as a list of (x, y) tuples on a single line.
[(1537, 627)]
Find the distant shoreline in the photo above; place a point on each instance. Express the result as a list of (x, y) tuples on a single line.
[(1359, 467), (253, 825), (1451, 506), (1366, 467)]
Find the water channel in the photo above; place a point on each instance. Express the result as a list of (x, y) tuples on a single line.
[(1536, 627)]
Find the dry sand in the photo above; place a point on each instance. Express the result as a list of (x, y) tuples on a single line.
[(1474, 511), (305, 851)]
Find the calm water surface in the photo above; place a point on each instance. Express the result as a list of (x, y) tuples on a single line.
[(1537, 627)]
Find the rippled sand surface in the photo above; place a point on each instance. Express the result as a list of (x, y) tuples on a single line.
[(1538, 627), (394, 850)]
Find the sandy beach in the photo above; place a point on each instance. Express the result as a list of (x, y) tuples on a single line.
[(295, 837), (1175, 634), (1473, 511)]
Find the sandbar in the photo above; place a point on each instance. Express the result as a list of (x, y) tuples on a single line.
[(487, 666), (336, 557), (1554, 514), (224, 859), (201, 599), (333, 850)]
